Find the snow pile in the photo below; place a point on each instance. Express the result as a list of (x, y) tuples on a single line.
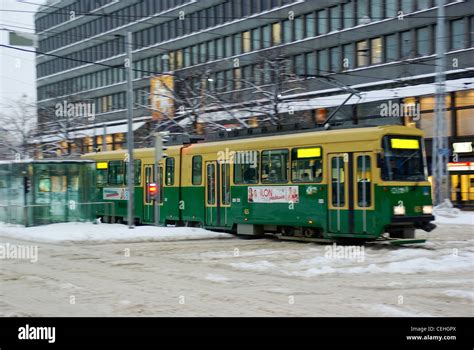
[(392, 311), (418, 265), (105, 233), (217, 278), (461, 218), (400, 261), (463, 294), (446, 209)]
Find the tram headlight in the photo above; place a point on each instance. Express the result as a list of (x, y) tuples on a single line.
[(399, 210), (428, 209)]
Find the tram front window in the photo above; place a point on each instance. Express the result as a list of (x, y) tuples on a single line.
[(403, 159)]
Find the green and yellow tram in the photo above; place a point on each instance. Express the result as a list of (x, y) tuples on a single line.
[(331, 184)]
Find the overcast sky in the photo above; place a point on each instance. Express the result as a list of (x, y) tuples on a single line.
[(17, 68)]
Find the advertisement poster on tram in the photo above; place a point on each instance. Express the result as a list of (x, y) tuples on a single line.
[(273, 194)]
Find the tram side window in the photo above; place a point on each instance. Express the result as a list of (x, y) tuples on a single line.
[(337, 181), (197, 170), (275, 166), (247, 172), (169, 171), (116, 172), (101, 173), (364, 181), (137, 169), (101, 177), (306, 165)]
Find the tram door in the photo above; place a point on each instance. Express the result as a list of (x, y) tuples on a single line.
[(351, 198), (363, 193), (338, 213), (212, 204)]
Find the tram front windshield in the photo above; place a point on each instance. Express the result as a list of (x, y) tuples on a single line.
[(403, 159)]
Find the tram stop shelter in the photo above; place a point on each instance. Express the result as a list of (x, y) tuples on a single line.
[(39, 192)]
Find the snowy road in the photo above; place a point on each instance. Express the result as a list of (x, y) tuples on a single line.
[(236, 277)]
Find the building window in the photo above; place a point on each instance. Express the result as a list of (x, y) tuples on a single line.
[(310, 25), (256, 39), (287, 31), (335, 18), (423, 41), (348, 56), (362, 54), (228, 46), (391, 8), (276, 33), (237, 78), (391, 48), (300, 65), (211, 49), (423, 4), (237, 44), (465, 122), (311, 63), (362, 11), (465, 98), (299, 28), (246, 41), (335, 55), (407, 6), (323, 62), (348, 13), (427, 123), (376, 10), (322, 22), (376, 51), (267, 36), (220, 48), (406, 43), (472, 31), (458, 33)]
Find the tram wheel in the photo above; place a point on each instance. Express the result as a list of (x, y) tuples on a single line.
[(308, 232)]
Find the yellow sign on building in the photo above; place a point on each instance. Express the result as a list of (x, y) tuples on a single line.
[(161, 97)]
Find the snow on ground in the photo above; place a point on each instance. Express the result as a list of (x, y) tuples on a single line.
[(393, 311), (216, 278), (462, 218), (74, 232), (401, 261), (233, 277), (464, 294)]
